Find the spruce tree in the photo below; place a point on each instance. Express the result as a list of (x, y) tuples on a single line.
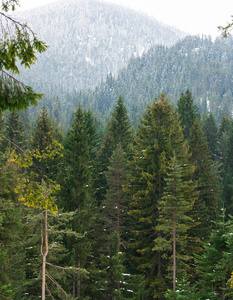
[(112, 269), (12, 235), (223, 136), (214, 265), (187, 111), (44, 142), (159, 136), (178, 199), (115, 205), (227, 195), (211, 132), (119, 130), (15, 130), (205, 209), (76, 195)]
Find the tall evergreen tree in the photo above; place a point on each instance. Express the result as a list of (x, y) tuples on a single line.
[(223, 136), (12, 251), (119, 131), (76, 195), (115, 205), (211, 132), (15, 130), (159, 136), (206, 206), (187, 111), (44, 143), (215, 264), (174, 221), (227, 195)]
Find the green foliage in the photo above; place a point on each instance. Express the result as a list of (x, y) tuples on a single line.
[(225, 30), (77, 196), (115, 205), (184, 291), (35, 187), (159, 136), (206, 176), (112, 269), (119, 131), (18, 45), (174, 221), (187, 111), (211, 131), (215, 264)]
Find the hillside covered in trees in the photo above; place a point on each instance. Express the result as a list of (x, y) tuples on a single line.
[(93, 206), (144, 215), (203, 66), (88, 39)]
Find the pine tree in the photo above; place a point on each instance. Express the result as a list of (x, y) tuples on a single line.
[(92, 134), (178, 199), (112, 269), (15, 130), (215, 264), (227, 194), (12, 252), (211, 132), (159, 136), (206, 206), (187, 111), (119, 131), (76, 195), (44, 142), (223, 136), (115, 205)]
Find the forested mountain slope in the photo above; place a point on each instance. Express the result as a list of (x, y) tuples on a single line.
[(199, 64), (87, 39)]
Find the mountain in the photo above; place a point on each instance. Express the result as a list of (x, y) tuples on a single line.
[(196, 63), (87, 40)]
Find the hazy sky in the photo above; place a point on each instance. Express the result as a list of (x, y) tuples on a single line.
[(192, 16)]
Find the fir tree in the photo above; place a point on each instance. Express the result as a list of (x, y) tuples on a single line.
[(227, 194), (178, 199), (112, 269), (211, 131), (76, 195), (15, 130), (44, 142), (115, 205), (215, 264), (223, 136), (187, 112), (159, 136), (206, 176), (119, 131)]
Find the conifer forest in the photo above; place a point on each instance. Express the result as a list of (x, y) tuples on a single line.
[(121, 200)]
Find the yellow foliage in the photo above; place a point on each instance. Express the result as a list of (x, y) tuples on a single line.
[(34, 193)]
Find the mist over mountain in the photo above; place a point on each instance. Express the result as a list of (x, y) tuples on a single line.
[(87, 40)]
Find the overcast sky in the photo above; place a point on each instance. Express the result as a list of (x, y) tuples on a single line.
[(192, 16)]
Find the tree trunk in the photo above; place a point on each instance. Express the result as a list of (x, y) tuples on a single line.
[(174, 250), (44, 243)]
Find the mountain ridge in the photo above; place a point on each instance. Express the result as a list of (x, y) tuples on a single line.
[(87, 40)]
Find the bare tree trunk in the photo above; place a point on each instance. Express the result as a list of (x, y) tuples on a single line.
[(44, 244), (174, 250)]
